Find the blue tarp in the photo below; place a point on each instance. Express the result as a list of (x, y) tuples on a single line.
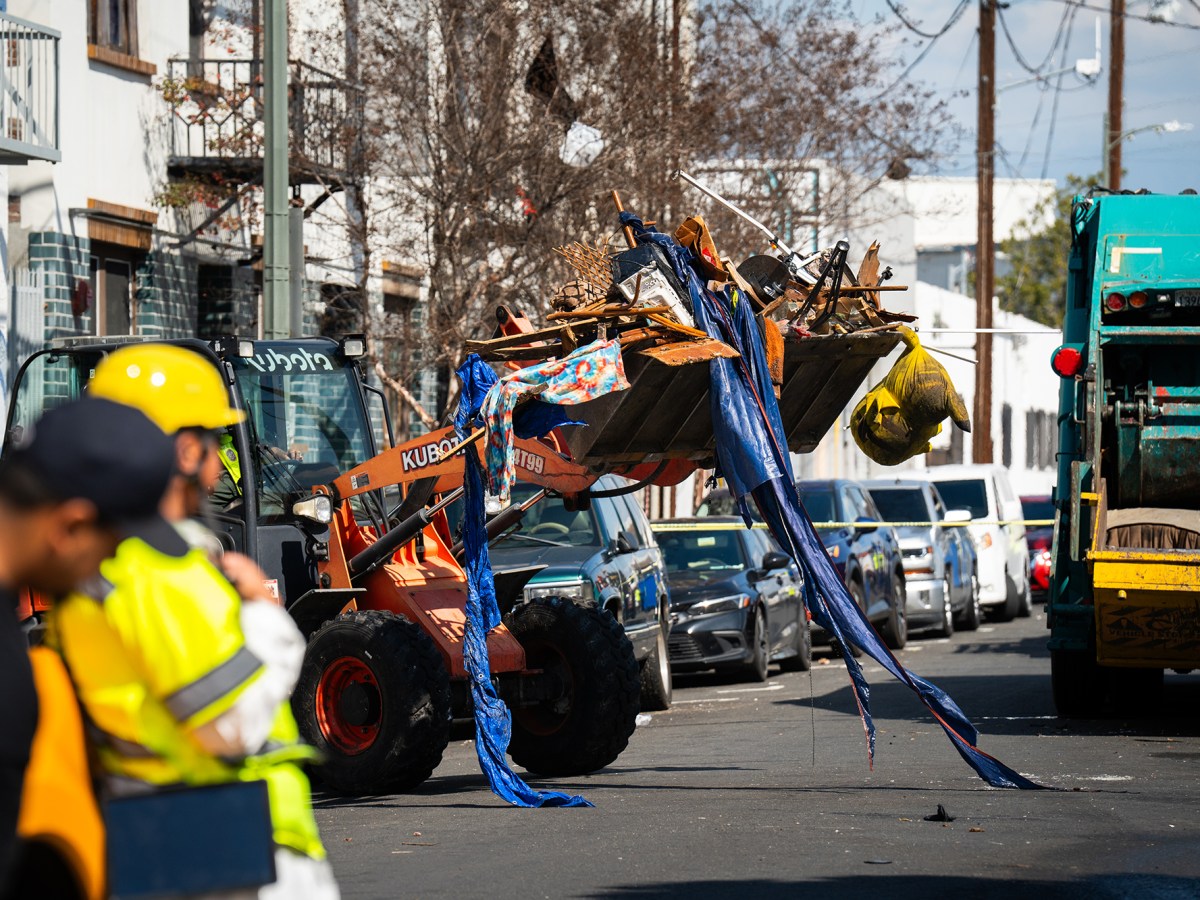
[(752, 456), (493, 721)]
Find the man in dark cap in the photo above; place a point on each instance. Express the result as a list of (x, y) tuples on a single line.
[(68, 493)]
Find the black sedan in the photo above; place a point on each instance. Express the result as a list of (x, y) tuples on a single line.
[(735, 598)]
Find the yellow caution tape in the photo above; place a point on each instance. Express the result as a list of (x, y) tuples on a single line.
[(700, 525)]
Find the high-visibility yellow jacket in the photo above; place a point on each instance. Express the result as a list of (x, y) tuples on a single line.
[(156, 651)]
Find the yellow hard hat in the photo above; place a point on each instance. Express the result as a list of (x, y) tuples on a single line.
[(174, 387)]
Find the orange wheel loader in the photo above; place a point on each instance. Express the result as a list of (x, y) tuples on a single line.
[(368, 570)]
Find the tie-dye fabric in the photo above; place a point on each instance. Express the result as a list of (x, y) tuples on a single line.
[(590, 372)]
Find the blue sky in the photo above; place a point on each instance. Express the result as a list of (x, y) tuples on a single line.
[(1162, 83)]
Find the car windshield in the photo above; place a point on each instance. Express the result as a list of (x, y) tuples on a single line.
[(699, 553), (1037, 508), (307, 420), (721, 503), (900, 504), (970, 495), (820, 505), (549, 520)]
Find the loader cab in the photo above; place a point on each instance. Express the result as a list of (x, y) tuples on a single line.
[(308, 420)]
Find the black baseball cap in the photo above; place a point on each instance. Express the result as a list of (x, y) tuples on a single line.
[(91, 449)]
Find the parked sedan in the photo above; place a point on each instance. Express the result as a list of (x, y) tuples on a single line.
[(866, 555), (736, 600), (939, 561), (1040, 537)]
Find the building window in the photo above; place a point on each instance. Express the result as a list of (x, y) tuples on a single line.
[(113, 24), (1041, 439)]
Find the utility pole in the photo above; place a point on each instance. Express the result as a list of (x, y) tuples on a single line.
[(1116, 90), (985, 251), (276, 268)]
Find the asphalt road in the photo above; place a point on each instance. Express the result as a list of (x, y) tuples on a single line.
[(764, 791)]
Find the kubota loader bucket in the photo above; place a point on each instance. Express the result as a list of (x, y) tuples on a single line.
[(665, 414)]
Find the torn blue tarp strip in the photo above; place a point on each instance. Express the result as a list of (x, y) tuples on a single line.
[(493, 721), (751, 454), (753, 462)]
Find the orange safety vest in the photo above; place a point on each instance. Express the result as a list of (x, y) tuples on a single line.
[(58, 805)]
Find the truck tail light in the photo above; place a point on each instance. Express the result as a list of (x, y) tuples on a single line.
[(1067, 361), (1115, 302), (1138, 299)]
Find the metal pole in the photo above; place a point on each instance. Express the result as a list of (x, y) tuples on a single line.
[(1116, 86), (1104, 138), (275, 173), (296, 273), (981, 427)]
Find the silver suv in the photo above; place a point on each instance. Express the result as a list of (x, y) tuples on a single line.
[(940, 566)]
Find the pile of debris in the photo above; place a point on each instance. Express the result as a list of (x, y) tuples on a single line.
[(823, 324)]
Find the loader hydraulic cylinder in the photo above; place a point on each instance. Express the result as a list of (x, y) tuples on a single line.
[(391, 541)]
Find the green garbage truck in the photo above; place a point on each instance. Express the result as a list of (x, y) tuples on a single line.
[(1124, 599)]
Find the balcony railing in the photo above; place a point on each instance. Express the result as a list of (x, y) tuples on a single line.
[(28, 92), (217, 118)]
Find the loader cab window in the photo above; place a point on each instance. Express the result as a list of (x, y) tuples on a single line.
[(49, 379), (306, 418)]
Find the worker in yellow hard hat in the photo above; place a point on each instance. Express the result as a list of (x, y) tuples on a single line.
[(224, 665), (184, 394)]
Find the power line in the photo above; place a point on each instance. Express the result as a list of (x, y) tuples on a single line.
[(932, 36), (1128, 15), (1020, 58), (1058, 90), (950, 23)]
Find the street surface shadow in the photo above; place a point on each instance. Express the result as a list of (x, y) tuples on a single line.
[(715, 678), (919, 887), (1033, 647), (1024, 707)]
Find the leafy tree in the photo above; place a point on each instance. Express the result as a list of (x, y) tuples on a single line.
[(1036, 284)]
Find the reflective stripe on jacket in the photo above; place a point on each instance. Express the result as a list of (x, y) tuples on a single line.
[(156, 651), (229, 459)]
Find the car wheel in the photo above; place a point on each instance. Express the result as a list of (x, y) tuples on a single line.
[(802, 661), (973, 614), (583, 649), (1007, 611), (859, 597), (656, 677), (946, 625), (895, 629), (1025, 601), (760, 658), (374, 698)]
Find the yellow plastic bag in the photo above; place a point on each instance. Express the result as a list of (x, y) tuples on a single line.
[(897, 418)]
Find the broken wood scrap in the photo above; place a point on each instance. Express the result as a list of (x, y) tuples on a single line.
[(513, 340), (608, 312), (868, 273)]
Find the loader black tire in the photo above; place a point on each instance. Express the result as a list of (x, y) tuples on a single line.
[(374, 698), (589, 726)]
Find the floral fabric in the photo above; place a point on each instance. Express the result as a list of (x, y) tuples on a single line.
[(590, 372)]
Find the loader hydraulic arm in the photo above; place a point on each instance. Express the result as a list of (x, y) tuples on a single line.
[(438, 455)]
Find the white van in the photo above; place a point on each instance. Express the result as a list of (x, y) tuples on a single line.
[(996, 518)]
